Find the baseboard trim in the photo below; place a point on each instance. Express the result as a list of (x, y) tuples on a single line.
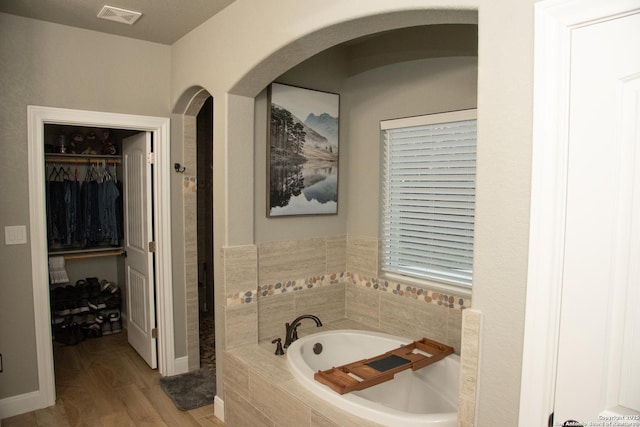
[(16, 405), (218, 408), (181, 365)]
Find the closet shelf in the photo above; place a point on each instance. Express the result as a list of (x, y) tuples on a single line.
[(81, 158), (87, 253)]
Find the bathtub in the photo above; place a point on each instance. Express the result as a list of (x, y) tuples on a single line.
[(426, 397)]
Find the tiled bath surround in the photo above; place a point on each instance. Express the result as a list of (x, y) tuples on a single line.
[(269, 284)]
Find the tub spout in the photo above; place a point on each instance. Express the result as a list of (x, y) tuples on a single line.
[(292, 328)]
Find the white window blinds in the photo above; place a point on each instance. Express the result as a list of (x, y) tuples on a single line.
[(429, 168)]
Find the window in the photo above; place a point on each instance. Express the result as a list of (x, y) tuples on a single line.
[(428, 196)]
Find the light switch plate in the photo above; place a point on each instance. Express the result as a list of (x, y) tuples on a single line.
[(15, 235)]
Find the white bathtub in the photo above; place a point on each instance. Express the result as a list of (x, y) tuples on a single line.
[(426, 397)]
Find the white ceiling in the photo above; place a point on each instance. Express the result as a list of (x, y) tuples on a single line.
[(162, 21)]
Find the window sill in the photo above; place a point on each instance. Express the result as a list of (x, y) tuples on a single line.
[(450, 289)]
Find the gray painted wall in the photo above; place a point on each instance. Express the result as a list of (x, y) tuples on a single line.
[(56, 66)]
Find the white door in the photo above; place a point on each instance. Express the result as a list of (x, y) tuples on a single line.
[(598, 370), (138, 214)]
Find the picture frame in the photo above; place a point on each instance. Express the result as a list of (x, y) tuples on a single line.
[(303, 127)]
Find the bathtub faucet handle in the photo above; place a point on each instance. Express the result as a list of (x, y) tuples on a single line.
[(279, 350), (291, 329)]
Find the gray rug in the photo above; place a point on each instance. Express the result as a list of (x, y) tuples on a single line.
[(190, 390)]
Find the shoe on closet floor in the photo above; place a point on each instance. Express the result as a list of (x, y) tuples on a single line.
[(63, 334), (68, 333), (106, 328), (116, 324), (100, 318), (92, 330)]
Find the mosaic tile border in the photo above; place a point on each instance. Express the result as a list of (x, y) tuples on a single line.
[(283, 287), (408, 291), (240, 298), (300, 284)]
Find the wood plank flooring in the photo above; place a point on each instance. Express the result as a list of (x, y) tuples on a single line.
[(103, 382)]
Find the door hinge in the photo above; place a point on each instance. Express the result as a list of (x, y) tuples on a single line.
[(154, 333), (151, 158), (152, 247), (550, 420)]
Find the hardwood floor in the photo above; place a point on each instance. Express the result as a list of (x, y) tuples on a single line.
[(103, 382)]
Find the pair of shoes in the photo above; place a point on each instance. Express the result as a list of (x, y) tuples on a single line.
[(68, 333), (92, 330), (102, 321), (110, 323)]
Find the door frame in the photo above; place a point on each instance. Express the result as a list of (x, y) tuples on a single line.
[(160, 128), (554, 23)]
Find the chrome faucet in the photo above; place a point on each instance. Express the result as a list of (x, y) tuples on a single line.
[(291, 333)]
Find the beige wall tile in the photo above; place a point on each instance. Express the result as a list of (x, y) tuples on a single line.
[(336, 254), (238, 412), (237, 374), (322, 412), (454, 329), (291, 259), (240, 268), (362, 256), (318, 420), (241, 325), (469, 358), (412, 318), (363, 305), (277, 404), (327, 302), (466, 413), (273, 312)]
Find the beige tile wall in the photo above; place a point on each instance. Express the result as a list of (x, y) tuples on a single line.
[(282, 280), (469, 358), (271, 283), (362, 255), (239, 275), (190, 214), (327, 302), (261, 391), (291, 259)]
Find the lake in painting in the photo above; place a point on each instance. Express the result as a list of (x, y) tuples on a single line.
[(303, 151)]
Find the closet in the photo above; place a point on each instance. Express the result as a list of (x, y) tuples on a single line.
[(85, 231)]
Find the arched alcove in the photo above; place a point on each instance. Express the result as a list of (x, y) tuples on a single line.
[(320, 39), (185, 213)]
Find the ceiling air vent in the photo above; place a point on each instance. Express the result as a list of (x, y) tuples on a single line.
[(117, 14)]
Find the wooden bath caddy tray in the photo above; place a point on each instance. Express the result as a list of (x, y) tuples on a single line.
[(369, 372)]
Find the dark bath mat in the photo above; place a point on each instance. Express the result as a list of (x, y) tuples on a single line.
[(190, 390)]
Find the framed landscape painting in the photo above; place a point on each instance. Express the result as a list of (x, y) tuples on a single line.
[(302, 151)]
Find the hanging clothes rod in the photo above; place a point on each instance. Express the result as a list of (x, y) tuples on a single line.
[(87, 253), (79, 158)]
